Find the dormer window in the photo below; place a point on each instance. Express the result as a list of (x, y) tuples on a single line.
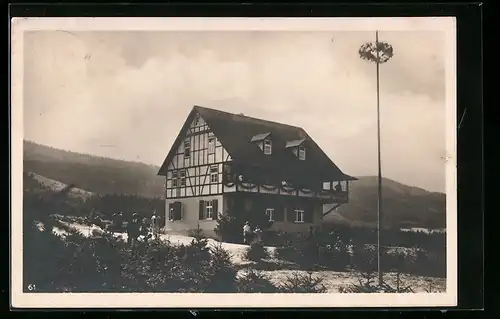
[(264, 141), (298, 148), (268, 147), (302, 153)]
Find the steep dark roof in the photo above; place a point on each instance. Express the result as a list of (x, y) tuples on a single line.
[(236, 131)]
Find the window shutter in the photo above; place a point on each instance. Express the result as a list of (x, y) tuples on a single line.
[(215, 208), (279, 213), (308, 215), (177, 211), (201, 214), (170, 213), (290, 214)]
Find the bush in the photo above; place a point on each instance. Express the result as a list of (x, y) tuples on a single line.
[(257, 252), (253, 281), (229, 229), (429, 264), (101, 263), (368, 283), (222, 273), (303, 283), (364, 258)]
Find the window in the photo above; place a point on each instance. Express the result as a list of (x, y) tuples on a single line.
[(187, 148), (174, 178), (211, 145), (302, 153), (182, 176), (214, 174), (270, 214), (268, 147), (299, 215), (196, 119), (209, 210)]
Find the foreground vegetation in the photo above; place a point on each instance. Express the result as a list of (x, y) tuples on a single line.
[(72, 262)]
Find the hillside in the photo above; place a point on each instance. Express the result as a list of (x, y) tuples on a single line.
[(404, 206), (58, 186), (92, 173)]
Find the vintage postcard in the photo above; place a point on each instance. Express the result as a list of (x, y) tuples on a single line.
[(233, 162)]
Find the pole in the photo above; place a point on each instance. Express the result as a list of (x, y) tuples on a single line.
[(379, 202)]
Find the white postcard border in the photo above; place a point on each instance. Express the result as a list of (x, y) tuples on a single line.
[(240, 300)]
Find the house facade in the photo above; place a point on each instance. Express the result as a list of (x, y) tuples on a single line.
[(229, 164)]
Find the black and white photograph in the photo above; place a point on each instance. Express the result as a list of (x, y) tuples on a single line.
[(233, 162)]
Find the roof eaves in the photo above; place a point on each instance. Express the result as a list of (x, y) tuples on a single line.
[(260, 137), (294, 143)]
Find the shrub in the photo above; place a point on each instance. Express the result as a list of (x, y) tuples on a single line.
[(229, 229), (429, 264), (368, 283), (253, 281), (222, 272), (257, 252), (364, 258), (303, 283)]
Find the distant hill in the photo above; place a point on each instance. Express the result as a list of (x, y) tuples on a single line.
[(92, 173), (404, 206), (58, 186)]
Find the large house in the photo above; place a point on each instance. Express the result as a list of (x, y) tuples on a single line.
[(224, 163)]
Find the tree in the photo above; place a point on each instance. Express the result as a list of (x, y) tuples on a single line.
[(379, 53)]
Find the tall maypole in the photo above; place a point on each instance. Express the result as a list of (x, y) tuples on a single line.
[(379, 53)]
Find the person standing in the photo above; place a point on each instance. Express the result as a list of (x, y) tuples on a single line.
[(154, 225), (120, 221), (247, 232), (133, 230), (257, 234)]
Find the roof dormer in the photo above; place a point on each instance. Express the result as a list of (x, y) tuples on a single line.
[(264, 141), (298, 148)]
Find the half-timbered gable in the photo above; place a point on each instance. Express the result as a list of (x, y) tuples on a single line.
[(222, 162)]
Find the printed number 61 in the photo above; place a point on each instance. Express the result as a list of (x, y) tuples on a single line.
[(31, 287)]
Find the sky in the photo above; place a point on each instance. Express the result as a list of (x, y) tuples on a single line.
[(126, 94)]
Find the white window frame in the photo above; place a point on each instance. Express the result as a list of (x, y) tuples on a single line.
[(270, 214), (214, 175), (196, 120), (182, 178), (212, 141), (267, 147), (187, 146), (301, 153), (299, 212), (174, 178), (209, 212)]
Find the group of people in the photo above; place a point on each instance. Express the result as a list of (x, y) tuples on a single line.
[(251, 236), (137, 227)]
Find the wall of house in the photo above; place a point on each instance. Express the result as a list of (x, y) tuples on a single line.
[(292, 226), (250, 202), (193, 173), (190, 216)]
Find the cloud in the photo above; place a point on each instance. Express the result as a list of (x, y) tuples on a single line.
[(137, 88)]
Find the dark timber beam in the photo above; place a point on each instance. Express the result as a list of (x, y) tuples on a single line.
[(331, 209)]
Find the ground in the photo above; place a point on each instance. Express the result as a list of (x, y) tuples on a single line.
[(333, 279)]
